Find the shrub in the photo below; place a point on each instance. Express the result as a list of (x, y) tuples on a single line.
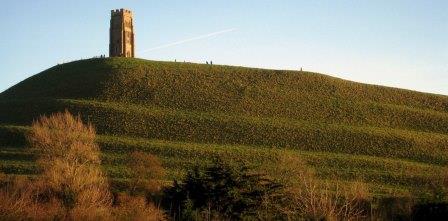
[(63, 136), (136, 208), (322, 201), (21, 199), (306, 197), (146, 172), (225, 190), (72, 185), (290, 169), (70, 160), (394, 208), (430, 211)]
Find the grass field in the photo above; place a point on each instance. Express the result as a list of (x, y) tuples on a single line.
[(394, 140)]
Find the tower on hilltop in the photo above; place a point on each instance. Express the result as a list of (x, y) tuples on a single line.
[(121, 40)]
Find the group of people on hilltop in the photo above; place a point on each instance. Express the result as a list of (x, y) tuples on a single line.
[(101, 56), (207, 62)]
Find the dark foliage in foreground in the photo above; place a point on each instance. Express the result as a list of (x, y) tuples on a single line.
[(222, 189)]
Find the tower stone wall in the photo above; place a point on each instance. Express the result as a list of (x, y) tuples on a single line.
[(121, 40)]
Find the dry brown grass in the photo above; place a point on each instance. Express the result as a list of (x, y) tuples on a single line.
[(146, 172)]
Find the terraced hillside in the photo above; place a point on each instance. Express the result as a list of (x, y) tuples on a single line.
[(395, 140)]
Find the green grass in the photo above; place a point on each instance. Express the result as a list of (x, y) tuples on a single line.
[(216, 127), (393, 139), (385, 176)]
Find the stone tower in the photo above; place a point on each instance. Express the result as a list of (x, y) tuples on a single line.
[(121, 40)]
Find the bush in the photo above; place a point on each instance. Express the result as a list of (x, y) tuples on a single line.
[(70, 163), (225, 190), (72, 185), (430, 211), (146, 172), (22, 199), (306, 197), (318, 201), (136, 208)]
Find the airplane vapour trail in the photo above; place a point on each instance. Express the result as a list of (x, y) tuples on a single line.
[(188, 40)]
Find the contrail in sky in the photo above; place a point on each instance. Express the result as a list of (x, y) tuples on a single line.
[(188, 40)]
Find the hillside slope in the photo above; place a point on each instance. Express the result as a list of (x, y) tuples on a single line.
[(242, 108), (255, 92)]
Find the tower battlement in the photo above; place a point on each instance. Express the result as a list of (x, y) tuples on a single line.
[(120, 12), (121, 40)]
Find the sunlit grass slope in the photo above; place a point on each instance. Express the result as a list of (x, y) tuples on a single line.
[(185, 113)]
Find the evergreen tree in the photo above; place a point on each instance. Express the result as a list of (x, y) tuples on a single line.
[(231, 191)]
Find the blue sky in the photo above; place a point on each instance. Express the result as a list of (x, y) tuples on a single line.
[(394, 43)]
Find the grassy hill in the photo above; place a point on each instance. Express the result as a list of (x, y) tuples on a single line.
[(395, 140)]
